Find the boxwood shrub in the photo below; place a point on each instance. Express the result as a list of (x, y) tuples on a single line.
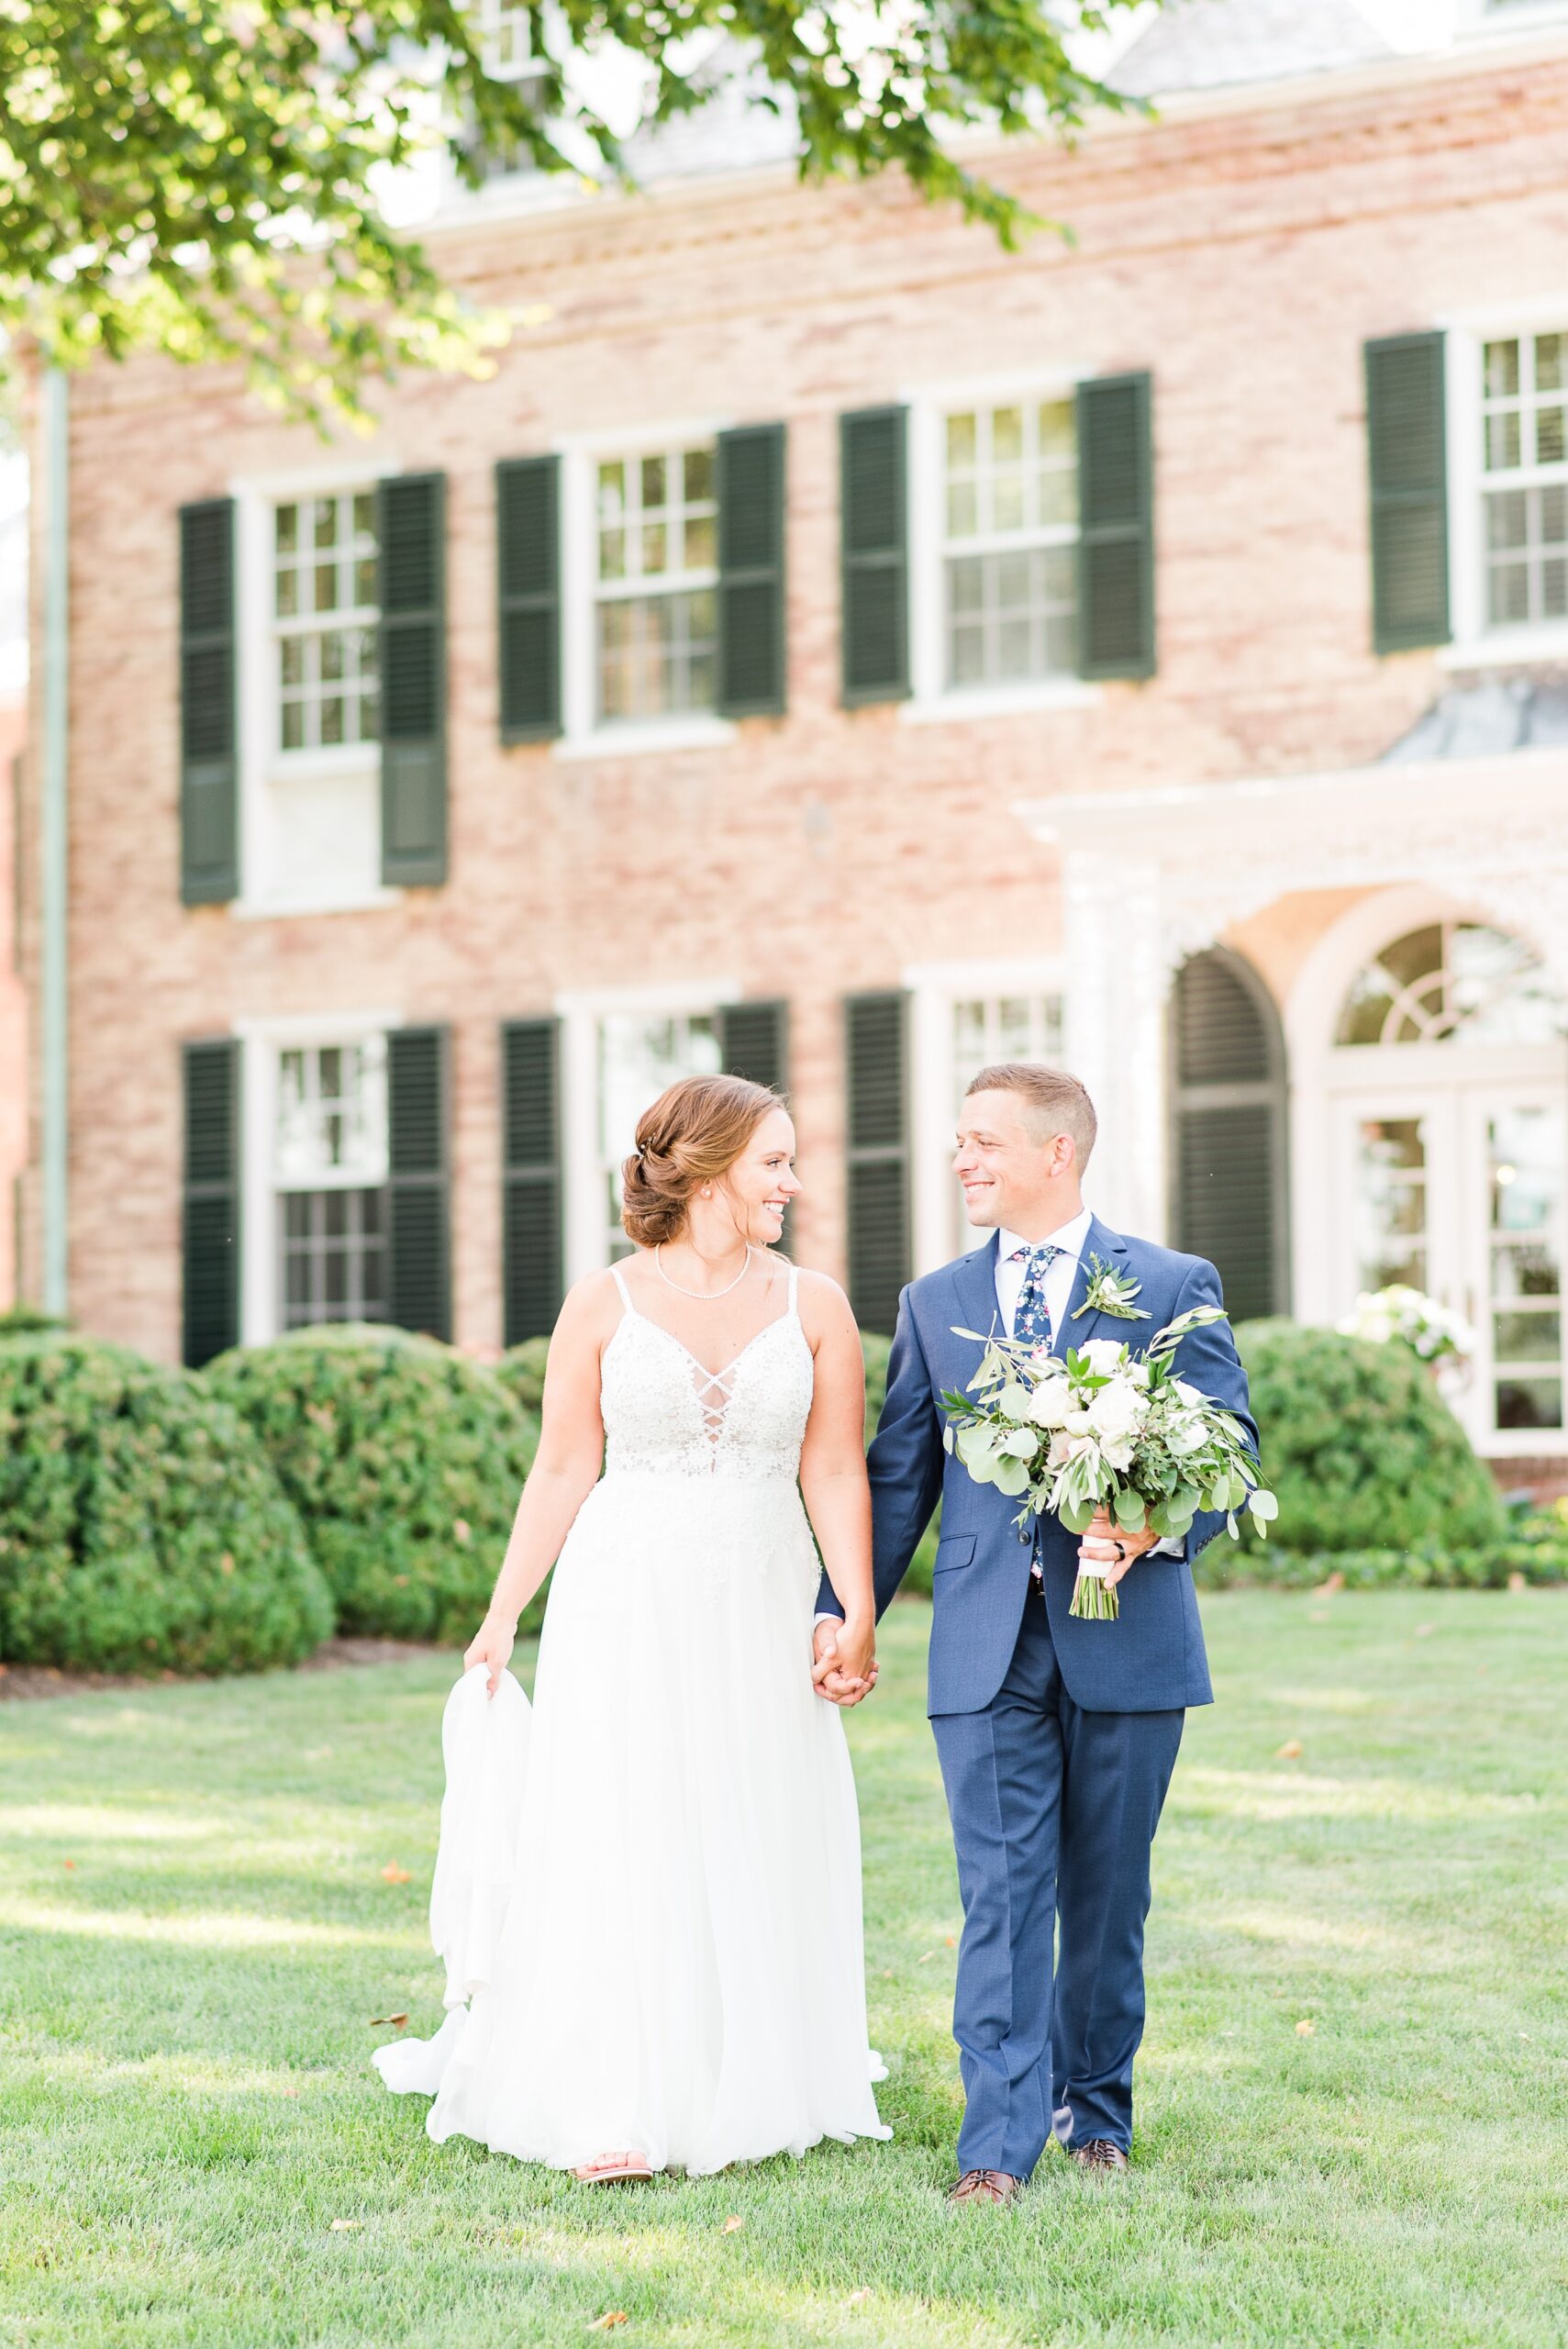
[(521, 1372), (142, 1526), (1360, 1449), (404, 1459)]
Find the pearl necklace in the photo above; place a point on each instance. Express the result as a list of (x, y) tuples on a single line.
[(703, 1295)]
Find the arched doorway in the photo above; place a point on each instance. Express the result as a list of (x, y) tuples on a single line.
[(1447, 1104), (1228, 1154)]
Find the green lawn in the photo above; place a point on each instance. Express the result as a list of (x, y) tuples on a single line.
[(196, 1931)]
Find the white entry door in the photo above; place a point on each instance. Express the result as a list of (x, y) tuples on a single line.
[(1459, 1190)]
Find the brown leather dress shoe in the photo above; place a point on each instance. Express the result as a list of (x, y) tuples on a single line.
[(1099, 2154), (986, 2186)]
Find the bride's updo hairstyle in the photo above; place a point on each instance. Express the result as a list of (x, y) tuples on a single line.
[(692, 1134)]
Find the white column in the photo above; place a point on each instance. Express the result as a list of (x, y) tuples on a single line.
[(1116, 984)]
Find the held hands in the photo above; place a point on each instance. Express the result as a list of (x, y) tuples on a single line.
[(1111, 1545), (491, 1646), (845, 1669)]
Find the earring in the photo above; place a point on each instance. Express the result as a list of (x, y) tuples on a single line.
[(707, 1190)]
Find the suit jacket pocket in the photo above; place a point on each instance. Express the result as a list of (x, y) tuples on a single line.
[(953, 1550)]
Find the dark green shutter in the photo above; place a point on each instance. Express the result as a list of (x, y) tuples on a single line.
[(209, 797), (751, 655), (1228, 1144), (527, 547), (878, 1158), (209, 1243), (1115, 526), (875, 536), (1406, 442), (531, 1278), (413, 679), (753, 1041), (419, 1216)]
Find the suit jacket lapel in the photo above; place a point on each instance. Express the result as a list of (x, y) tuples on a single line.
[(974, 1285), (1111, 1249)]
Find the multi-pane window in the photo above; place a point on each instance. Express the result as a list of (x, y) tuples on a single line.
[(1453, 983), (1525, 1184), (656, 577), (1010, 540), (323, 605), (640, 1054), (1525, 478), (505, 39), (998, 1028), (329, 1164)]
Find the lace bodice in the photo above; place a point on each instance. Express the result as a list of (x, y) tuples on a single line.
[(666, 1414)]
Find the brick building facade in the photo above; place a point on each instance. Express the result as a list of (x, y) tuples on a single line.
[(833, 646)]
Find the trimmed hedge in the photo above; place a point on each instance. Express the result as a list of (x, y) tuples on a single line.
[(1541, 1560), (1360, 1449), (521, 1372), (404, 1459), (142, 1526)]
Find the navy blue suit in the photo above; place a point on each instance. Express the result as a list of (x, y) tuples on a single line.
[(1057, 1737)]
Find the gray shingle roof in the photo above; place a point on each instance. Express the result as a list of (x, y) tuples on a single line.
[(1204, 44), (1481, 722)]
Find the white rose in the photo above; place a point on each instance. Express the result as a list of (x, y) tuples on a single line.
[(1021, 1443), (1116, 1409), (1138, 1372), (1061, 1450), (1118, 1452), (1102, 1355), (1051, 1402), (1077, 1421)]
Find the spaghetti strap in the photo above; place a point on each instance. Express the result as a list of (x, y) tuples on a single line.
[(793, 1289), (618, 1278)]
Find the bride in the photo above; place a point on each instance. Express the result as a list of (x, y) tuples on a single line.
[(648, 1890)]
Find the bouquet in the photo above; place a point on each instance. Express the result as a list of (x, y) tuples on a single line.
[(1431, 1330), (1102, 1429)]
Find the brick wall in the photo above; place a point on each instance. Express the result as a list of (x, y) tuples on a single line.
[(1243, 253)]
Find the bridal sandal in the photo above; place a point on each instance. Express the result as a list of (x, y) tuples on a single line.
[(613, 2169)]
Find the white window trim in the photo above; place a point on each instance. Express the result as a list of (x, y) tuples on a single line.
[(1478, 20), (580, 1013), (1476, 644), (260, 1040), (260, 761), (933, 989), (931, 701), (582, 735)]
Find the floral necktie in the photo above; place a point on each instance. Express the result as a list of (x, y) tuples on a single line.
[(1032, 1321)]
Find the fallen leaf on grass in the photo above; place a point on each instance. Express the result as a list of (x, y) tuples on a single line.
[(732, 2225), (288, 2091), (346, 2226), (860, 2295), (393, 1874), (611, 2317), (1325, 1589), (1516, 1582), (1289, 1751), (68, 1863), (1305, 2027), (397, 2020), (953, 1941)]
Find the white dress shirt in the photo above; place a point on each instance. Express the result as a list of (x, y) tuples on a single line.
[(1059, 1280)]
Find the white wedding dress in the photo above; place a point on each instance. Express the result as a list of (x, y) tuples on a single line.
[(648, 1890)]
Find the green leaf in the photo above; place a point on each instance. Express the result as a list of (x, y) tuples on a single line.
[(1010, 1476), (1076, 1515), (1130, 1509)]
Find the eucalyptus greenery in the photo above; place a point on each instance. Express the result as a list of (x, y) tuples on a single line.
[(202, 177), (1102, 1429)]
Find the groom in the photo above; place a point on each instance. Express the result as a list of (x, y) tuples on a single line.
[(1057, 1736)]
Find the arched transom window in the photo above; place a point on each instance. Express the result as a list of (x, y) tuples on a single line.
[(1454, 982)]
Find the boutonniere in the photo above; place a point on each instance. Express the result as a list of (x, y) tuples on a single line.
[(1112, 1293)]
